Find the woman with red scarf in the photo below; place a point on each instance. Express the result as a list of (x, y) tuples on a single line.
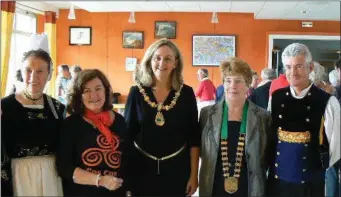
[(90, 152)]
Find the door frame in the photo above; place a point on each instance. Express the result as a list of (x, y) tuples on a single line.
[(298, 36)]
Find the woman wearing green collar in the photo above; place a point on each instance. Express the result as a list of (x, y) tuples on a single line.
[(236, 136)]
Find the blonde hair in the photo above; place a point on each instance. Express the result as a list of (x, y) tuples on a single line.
[(236, 66), (144, 74)]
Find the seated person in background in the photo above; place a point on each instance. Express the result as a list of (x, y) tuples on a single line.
[(90, 153)]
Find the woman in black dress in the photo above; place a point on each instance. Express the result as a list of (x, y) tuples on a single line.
[(30, 124), (90, 153), (162, 119)]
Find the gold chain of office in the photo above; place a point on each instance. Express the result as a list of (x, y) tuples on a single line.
[(159, 118)]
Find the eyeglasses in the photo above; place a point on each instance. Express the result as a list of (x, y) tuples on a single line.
[(298, 66), (237, 81)]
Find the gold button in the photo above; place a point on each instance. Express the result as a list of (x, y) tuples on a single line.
[(276, 176), (278, 153), (302, 182), (276, 164)]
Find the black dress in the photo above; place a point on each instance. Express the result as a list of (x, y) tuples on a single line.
[(26, 132), (218, 187), (84, 146), (181, 128)]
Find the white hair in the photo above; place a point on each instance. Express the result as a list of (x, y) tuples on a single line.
[(296, 49), (268, 74), (318, 72), (334, 77)]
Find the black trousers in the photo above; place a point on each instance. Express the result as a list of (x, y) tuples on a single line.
[(276, 187)]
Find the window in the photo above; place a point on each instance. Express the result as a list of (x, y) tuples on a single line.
[(24, 25)]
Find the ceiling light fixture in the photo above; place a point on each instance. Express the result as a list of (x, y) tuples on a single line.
[(132, 18), (214, 18), (72, 15)]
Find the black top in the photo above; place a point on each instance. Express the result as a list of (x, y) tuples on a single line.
[(260, 96), (28, 132), (218, 187), (181, 127), (83, 146)]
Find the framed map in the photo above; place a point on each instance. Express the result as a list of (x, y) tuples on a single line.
[(211, 50)]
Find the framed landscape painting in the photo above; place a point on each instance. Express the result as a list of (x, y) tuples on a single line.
[(132, 39), (211, 50), (165, 29)]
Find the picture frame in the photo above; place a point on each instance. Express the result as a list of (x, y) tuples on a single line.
[(211, 50), (165, 29), (80, 35), (133, 39)]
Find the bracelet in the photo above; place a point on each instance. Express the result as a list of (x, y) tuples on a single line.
[(97, 179)]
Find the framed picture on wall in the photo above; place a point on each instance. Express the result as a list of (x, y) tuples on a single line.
[(80, 35), (165, 29), (211, 50), (132, 39)]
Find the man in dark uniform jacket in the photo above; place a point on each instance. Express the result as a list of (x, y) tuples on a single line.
[(307, 122), (260, 96)]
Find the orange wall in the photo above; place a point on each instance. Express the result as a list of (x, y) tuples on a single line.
[(106, 52)]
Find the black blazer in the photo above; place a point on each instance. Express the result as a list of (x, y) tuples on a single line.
[(260, 96)]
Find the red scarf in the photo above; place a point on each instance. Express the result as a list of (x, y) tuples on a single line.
[(102, 121)]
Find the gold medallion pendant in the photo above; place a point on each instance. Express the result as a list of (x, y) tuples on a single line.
[(159, 119), (231, 185)]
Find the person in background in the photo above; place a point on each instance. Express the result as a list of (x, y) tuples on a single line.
[(219, 93), (74, 71), (30, 125), (307, 120), (280, 82), (235, 138), (162, 118), (63, 79), (254, 83), (206, 90), (337, 92), (91, 144), (320, 78), (334, 77), (18, 83), (260, 96)]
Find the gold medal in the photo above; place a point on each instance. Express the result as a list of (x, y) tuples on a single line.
[(159, 119), (231, 184)]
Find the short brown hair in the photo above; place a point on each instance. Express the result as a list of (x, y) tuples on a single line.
[(75, 104), (236, 66), (144, 75)]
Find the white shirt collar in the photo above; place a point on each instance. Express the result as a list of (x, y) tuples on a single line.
[(302, 94), (205, 78)]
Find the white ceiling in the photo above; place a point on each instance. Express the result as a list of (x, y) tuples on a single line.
[(291, 10)]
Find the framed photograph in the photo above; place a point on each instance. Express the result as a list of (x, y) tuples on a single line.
[(131, 63), (165, 29), (132, 39), (211, 50), (79, 35)]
